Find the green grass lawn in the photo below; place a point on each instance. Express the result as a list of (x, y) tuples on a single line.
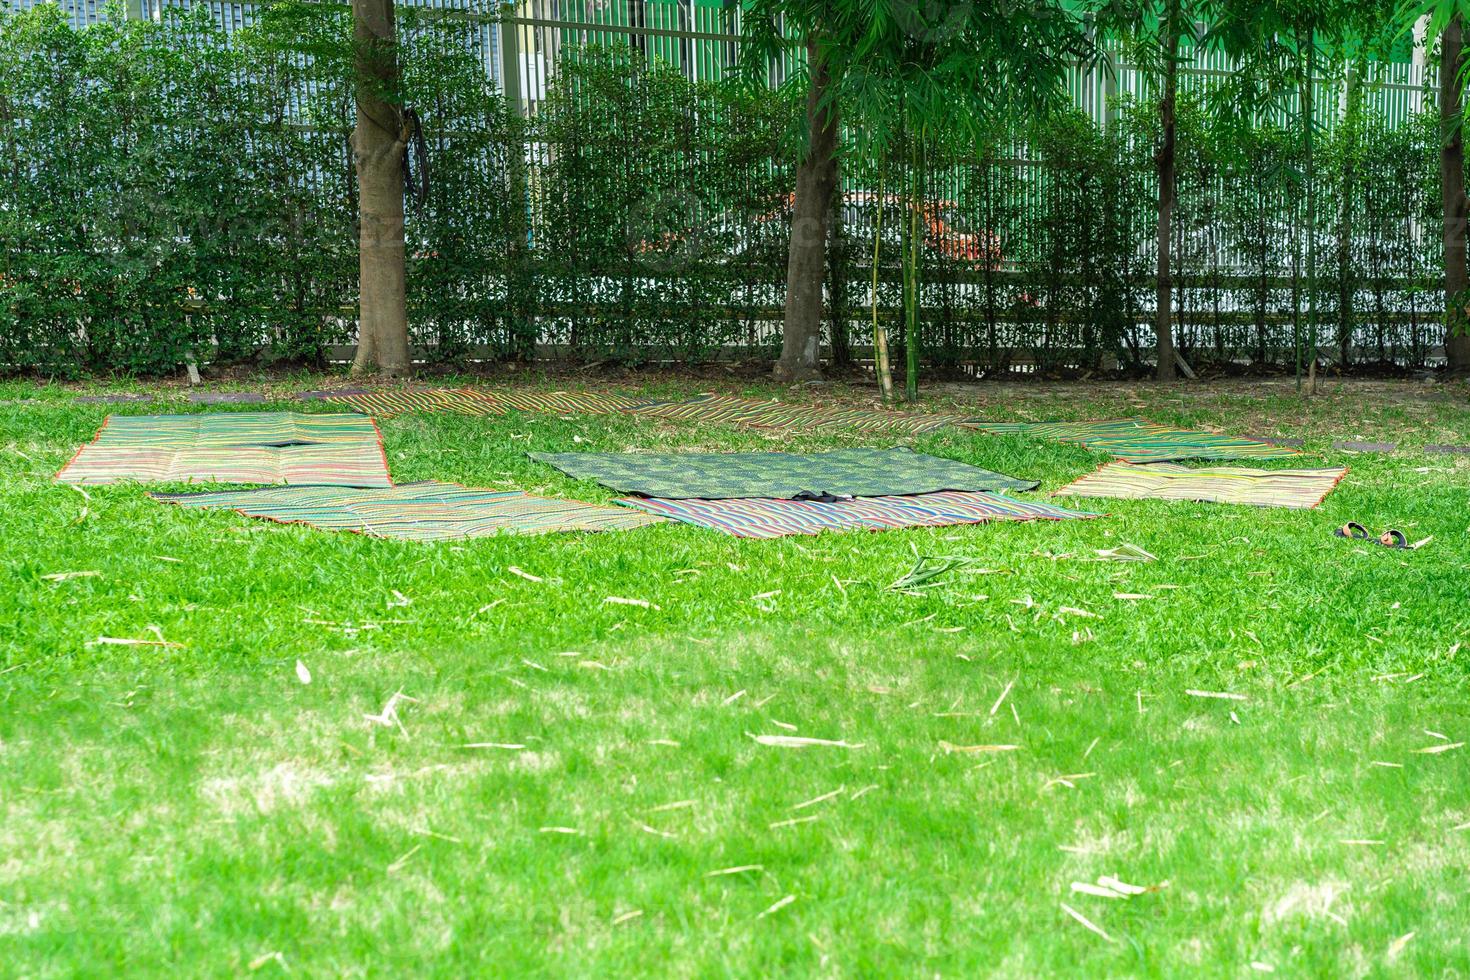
[(494, 770)]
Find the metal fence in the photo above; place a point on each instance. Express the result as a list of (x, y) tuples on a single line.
[(701, 38)]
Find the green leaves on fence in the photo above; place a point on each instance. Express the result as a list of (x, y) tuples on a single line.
[(172, 190)]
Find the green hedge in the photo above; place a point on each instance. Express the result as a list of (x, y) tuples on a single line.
[(173, 191), (150, 164)]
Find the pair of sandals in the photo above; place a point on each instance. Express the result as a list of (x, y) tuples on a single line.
[(1392, 538)]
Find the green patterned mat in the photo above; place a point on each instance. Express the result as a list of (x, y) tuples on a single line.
[(721, 476), (1141, 442), (427, 511)]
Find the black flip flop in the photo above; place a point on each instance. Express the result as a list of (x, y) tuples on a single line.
[(1393, 538), (1354, 531), (822, 497)]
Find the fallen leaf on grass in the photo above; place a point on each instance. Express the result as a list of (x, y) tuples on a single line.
[(627, 917), (121, 641), (67, 576), (524, 574), (1001, 700), (1108, 886), (1124, 552), (560, 830), (792, 822), (1108, 881), (653, 830), (509, 746), (398, 864), (1437, 749), (820, 799), (265, 958), (617, 600), (1397, 946), (738, 869), (777, 906), (388, 717), (1131, 596), (1085, 921), (302, 674), (977, 749), (1068, 780), (1218, 695), (797, 741)]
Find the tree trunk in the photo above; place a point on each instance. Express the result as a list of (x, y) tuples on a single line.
[(816, 178), (377, 147), (1164, 301), (1452, 177)]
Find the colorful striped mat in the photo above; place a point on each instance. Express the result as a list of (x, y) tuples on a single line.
[(243, 447), (703, 408), (387, 404), (1218, 484), (1139, 441), (843, 472), (731, 410), (479, 401), (225, 429), (757, 518), (562, 402), (427, 511)]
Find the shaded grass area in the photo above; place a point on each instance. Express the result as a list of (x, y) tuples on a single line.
[(198, 805)]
